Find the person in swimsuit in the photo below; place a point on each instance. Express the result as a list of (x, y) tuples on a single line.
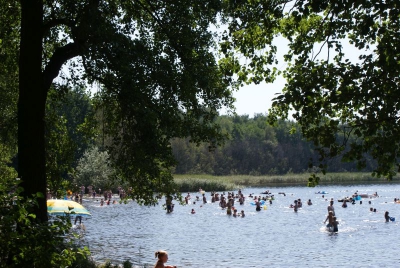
[(296, 206), (335, 225), (168, 201), (78, 218), (162, 258), (387, 218), (229, 208), (331, 208), (258, 205), (329, 218)]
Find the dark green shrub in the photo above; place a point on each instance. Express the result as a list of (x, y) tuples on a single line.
[(25, 242)]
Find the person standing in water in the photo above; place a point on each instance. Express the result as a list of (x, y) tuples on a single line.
[(229, 208), (168, 201), (258, 205), (296, 206), (331, 208), (329, 218), (162, 258), (335, 225), (387, 218)]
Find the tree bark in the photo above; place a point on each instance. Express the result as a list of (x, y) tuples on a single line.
[(31, 106)]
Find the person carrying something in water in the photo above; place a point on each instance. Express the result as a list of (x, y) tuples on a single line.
[(162, 258), (329, 218)]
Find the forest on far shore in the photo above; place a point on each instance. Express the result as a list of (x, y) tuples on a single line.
[(256, 148)]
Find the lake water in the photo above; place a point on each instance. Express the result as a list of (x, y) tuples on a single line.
[(275, 237)]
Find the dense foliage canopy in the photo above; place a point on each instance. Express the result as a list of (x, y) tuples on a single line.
[(154, 62), (342, 71)]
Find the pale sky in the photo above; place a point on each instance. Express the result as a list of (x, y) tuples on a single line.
[(255, 99), (252, 99)]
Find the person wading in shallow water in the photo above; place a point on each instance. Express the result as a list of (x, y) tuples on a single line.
[(258, 205), (331, 208)]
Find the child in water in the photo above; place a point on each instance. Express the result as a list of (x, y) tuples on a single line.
[(162, 258), (335, 225)]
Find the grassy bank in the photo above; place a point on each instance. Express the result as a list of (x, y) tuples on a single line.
[(191, 183)]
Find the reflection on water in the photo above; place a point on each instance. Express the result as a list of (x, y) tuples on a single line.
[(274, 237)]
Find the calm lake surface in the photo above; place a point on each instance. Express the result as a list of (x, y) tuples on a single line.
[(275, 237)]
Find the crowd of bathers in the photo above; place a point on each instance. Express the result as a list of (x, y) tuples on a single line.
[(229, 200)]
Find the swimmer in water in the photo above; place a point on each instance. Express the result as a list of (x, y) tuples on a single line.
[(162, 258), (299, 203), (309, 202), (193, 212), (235, 213), (242, 213)]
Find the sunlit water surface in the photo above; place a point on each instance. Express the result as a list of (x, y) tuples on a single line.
[(274, 237)]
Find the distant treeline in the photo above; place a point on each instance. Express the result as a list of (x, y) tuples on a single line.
[(254, 148)]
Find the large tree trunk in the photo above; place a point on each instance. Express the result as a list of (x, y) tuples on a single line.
[(31, 106)]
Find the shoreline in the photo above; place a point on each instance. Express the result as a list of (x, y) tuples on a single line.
[(192, 182)]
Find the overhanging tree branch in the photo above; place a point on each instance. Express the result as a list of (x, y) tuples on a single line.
[(61, 55)]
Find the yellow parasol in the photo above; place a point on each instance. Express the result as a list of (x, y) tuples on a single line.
[(60, 207)]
